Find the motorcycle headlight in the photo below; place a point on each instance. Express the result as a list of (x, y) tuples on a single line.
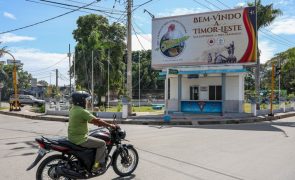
[(122, 134)]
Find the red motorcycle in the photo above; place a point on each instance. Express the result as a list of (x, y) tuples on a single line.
[(75, 162)]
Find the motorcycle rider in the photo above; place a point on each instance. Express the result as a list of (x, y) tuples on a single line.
[(79, 118)]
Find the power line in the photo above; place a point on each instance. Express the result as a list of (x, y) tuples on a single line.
[(70, 5), (69, 8), (78, 2), (51, 65), (279, 36), (138, 38), (213, 4), (203, 5), (55, 6), (223, 4), (43, 77), (141, 31), (138, 6), (24, 27), (40, 73), (274, 39)]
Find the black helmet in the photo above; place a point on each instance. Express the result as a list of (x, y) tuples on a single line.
[(79, 97)]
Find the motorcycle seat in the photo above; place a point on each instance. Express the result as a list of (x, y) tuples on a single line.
[(65, 142)]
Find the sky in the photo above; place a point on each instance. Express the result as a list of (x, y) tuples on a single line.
[(43, 48)]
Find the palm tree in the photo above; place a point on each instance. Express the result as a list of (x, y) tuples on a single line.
[(2, 73), (266, 14)]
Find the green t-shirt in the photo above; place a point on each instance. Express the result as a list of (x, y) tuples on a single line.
[(78, 124)]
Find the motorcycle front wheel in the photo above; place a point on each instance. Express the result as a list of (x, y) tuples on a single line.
[(125, 162), (46, 170)]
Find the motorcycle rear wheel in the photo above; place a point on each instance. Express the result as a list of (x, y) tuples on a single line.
[(124, 164), (46, 171)]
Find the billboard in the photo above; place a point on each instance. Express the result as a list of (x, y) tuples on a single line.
[(16, 62), (213, 38)]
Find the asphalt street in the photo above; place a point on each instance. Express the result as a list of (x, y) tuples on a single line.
[(217, 152)]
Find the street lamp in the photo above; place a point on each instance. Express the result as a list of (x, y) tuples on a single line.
[(109, 79), (139, 80)]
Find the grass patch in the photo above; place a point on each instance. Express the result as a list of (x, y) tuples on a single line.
[(247, 107), (135, 109), (3, 108)]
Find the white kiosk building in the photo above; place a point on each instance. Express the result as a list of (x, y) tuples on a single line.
[(202, 57)]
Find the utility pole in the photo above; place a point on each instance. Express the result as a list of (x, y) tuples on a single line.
[(109, 79), (74, 72), (279, 81), (139, 80), (272, 89), (257, 70), (56, 80), (129, 56), (69, 55), (92, 85)]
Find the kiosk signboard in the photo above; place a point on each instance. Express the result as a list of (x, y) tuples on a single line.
[(213, 38)]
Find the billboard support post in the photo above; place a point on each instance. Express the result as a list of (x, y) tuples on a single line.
[(166, 91)]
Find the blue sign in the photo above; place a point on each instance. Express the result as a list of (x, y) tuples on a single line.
[(201, 106)]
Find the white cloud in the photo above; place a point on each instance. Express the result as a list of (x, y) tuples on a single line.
[(9, 15), (267, 50), (241, 4), (180, 11), (9, 37), (145, 40), (284, 2), (284, 25), (40, 64)]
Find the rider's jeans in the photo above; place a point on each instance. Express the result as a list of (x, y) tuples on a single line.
[(100, 146)]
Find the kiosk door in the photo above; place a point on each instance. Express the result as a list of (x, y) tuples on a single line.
[(194, 93)]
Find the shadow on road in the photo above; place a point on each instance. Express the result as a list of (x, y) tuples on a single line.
[(161, 127), (132, 176), (186, 163), (268, 126)]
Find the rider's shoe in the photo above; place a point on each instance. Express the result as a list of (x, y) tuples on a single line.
[(99, 167)]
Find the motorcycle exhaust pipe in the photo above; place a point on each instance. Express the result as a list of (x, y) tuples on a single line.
[(62, 171)]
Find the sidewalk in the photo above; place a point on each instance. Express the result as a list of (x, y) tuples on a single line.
[(157, 119)]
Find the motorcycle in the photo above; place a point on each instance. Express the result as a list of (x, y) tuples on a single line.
[(76, 162)]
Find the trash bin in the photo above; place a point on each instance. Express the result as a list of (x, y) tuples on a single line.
[(124, 107), (125, 111)]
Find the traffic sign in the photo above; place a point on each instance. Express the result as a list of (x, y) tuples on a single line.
[(16, 62), (173, 71)]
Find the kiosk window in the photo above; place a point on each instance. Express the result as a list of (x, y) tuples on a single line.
[(215, 93), (194, 93)]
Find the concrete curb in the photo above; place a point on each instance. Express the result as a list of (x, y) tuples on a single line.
[(148, 121), (60, 119)]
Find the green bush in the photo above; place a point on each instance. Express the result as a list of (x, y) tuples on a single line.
[(291, 97), (42, 109), (119, 107)]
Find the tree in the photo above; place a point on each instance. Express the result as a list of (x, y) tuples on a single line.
[(287, 63), (149, 77), (3, 75), (43, 83), (24, 80), (94, 33), (266, 14)]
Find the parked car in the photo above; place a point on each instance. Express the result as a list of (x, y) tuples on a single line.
[(28, 99)]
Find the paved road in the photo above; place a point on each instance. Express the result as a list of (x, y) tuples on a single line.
[(221, 152)]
